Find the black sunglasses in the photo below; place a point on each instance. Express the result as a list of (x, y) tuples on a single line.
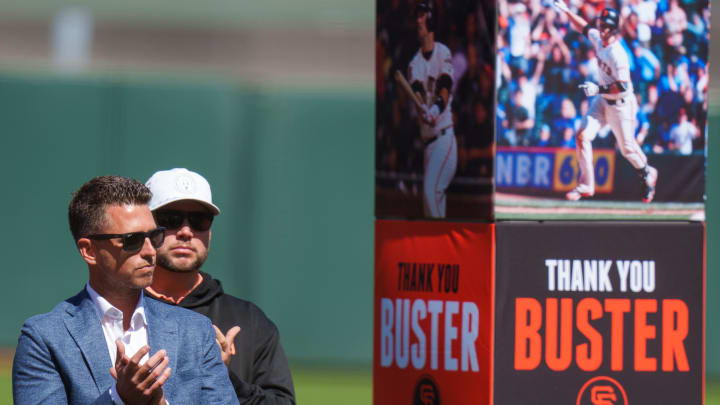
[(133, 241), (172, 219)]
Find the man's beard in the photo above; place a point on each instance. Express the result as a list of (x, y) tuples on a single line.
[(165, 262)]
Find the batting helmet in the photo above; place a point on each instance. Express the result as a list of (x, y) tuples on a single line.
[(610, 18), (426, 6)]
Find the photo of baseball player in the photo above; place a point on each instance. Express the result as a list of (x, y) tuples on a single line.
[(430, 73), (613, 103), (601, 109), (434, 99)]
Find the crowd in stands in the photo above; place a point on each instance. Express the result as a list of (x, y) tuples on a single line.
[(541, 61)]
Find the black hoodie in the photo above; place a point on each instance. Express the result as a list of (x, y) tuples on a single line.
[(259, 370)]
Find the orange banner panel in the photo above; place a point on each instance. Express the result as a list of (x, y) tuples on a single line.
[(433, 313)]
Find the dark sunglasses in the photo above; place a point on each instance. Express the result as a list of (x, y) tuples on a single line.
[(133, 241), (172, 219)]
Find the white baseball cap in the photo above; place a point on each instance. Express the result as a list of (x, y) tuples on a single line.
[(168, 186)]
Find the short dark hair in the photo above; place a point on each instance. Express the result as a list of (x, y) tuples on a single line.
[(87, 207)]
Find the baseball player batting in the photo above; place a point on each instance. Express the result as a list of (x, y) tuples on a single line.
[(430, 75), (613, 104)]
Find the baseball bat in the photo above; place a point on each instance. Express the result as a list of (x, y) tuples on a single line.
[(406, 86)]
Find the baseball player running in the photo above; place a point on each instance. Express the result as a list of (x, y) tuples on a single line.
[(613, 104), (430, 75)]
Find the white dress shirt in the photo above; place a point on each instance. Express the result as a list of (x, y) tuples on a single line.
[(111, 320)]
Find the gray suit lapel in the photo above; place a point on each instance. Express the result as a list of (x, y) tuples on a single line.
[(83, 324)]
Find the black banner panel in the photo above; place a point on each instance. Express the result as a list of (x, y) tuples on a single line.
[(591, 313)]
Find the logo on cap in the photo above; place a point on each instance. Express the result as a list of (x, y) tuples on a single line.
[(185, 184)]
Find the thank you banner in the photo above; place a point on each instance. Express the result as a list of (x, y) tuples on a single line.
[(599, 313), (433, 313)]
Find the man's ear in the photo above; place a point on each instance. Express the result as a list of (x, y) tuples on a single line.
[(87, 250)]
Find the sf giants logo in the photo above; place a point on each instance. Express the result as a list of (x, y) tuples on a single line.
[(602, 390), (603, 395), (426, 392)]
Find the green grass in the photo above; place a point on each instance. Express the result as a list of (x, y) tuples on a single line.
[(330, 387), (712, 393), (5, 388), (325, 387), (312, 387)]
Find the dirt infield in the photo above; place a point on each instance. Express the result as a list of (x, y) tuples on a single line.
[(6, 357), (396, 204), (510, 206)]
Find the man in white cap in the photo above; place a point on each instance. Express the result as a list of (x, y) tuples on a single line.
[(250, 343)]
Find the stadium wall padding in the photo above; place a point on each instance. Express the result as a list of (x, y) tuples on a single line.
[(290, 169), (712, 211)]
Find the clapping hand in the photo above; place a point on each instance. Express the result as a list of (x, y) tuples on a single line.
[(140, 384)]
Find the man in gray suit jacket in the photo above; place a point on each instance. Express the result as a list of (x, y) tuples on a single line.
[(107, 344)]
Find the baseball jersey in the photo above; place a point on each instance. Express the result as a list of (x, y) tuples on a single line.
[(613, 64), (427, 72)]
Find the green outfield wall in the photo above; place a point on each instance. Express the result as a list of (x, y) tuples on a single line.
[(292, 171), (712, 335)]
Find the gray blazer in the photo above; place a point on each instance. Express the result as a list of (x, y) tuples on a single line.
[(62, 357)]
